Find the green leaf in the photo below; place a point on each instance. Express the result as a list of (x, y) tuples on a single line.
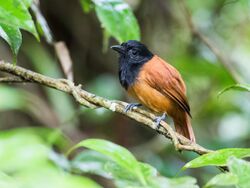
[(182, 182), (241, 169), (224, 179), (121, 176), (91, 162), (7, 181), (27, 3), (148, 170), (20, 151), (12, 36), (217, 158), (52, 178), (116, 153), (238, 87), (14, 13), (86, 5), (117, 19), (24, 162)]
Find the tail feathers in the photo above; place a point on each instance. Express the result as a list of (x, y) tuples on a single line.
[(183, 126)]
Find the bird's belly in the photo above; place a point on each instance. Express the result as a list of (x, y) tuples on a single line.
[(151, 98)]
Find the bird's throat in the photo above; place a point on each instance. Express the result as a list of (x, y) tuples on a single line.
[(128, 73)]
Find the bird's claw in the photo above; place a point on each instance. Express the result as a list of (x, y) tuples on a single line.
[(131, 106), (158, 121)]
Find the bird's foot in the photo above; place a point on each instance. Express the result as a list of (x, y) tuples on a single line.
[(172, 134), (158, 121), (131, 106)]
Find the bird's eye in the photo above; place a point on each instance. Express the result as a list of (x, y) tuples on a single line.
[(134, 52)]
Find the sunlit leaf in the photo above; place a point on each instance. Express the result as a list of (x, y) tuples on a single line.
[(217, 158), (224, 179), (241, 169), (116, 18), (238, 87), (12, 36), (14, 13)]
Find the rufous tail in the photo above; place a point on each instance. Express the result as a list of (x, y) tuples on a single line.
[(183, 126)]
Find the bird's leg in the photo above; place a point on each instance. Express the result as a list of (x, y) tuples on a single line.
[(170, 131), (159, 119), (131, 106)]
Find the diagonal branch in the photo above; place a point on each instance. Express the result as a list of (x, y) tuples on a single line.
[(204, 39), (93, 101)]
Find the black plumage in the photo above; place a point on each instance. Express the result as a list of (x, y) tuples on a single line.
[(132, 56)]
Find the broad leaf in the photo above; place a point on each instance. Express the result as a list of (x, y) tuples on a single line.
[(116, 153), (24, 162), (91, 162), (12, 36), (241, 169), (21, 151), (116, 18), (217, 158), (224, 179), (238, 87), (14, 15)]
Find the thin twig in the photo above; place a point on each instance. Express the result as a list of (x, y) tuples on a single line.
[(91, 100), (219, 55)]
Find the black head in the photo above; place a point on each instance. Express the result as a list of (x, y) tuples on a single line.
[(133, 55), (133, 52)]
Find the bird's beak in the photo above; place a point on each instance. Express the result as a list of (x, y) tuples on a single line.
[(120, 49)]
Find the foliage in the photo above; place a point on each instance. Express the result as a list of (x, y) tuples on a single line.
[(104, 158), (239, 169), (34, 158), (218, 158), (119, 164), (14, 15), (33, 166), (238, 175), (25, 163), (116, 18), (239, 87)]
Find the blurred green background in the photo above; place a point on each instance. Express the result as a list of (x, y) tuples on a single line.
[(218, 122)]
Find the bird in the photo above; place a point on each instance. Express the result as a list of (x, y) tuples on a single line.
[(154, 83)]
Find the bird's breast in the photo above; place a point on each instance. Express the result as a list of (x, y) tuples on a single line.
[(150, 97)]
